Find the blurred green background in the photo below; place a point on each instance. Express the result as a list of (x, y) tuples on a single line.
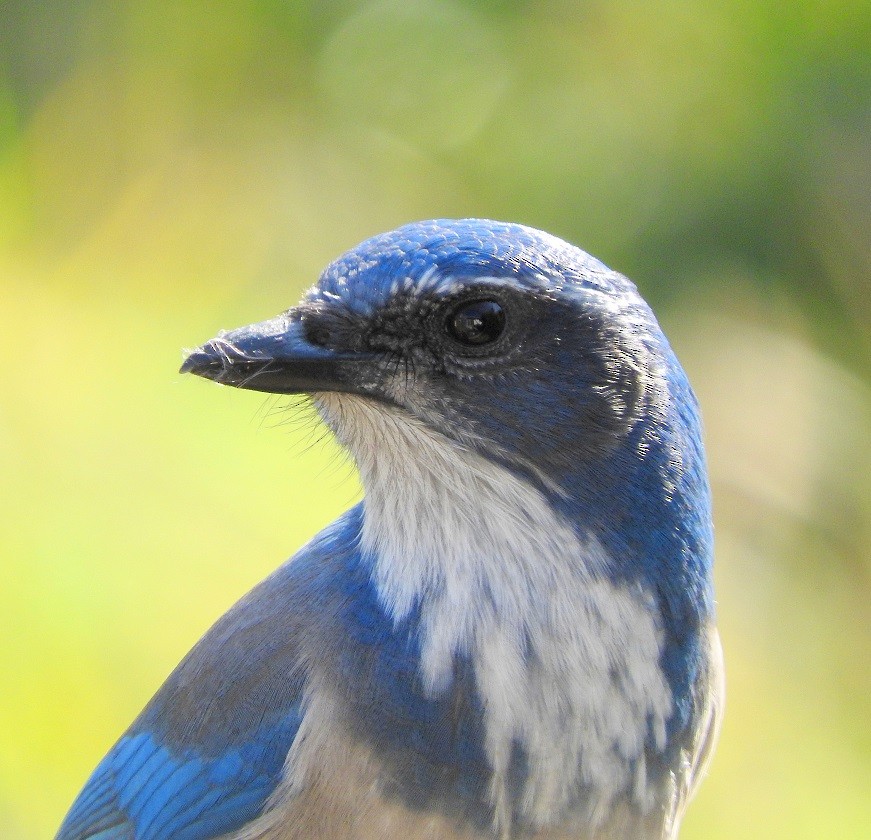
[(170, 168)]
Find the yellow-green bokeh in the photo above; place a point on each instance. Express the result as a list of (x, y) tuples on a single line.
[(168, 169)]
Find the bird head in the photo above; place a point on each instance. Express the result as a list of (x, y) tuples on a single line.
[(504, 339)]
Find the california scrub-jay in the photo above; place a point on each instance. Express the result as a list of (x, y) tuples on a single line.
[(512, 636)]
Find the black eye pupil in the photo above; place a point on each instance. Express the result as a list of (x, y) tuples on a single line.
[(476, 323)]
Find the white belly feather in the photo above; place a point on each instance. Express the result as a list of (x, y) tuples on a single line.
[(567, 662)]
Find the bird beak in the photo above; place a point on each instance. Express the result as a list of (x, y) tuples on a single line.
[(274, 356)]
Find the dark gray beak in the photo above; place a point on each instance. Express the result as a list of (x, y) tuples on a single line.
[(275, 356)]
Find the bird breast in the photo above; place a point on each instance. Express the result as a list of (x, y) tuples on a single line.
[(567, 661)]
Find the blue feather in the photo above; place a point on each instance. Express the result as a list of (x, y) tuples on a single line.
[(144, 790)]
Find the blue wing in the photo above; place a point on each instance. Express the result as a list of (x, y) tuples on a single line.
[(206, 753), (144, 790)]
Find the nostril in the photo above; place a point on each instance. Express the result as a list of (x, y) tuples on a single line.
[(320, 336), (316, 333)]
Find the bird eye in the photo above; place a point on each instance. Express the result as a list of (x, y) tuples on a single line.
[(477, 322)]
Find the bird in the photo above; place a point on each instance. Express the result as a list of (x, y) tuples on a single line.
[(513, 634)]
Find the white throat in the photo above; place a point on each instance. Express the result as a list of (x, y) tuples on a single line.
[(566, 661)]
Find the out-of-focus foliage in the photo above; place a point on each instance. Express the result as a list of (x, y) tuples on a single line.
[(169, 168)]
